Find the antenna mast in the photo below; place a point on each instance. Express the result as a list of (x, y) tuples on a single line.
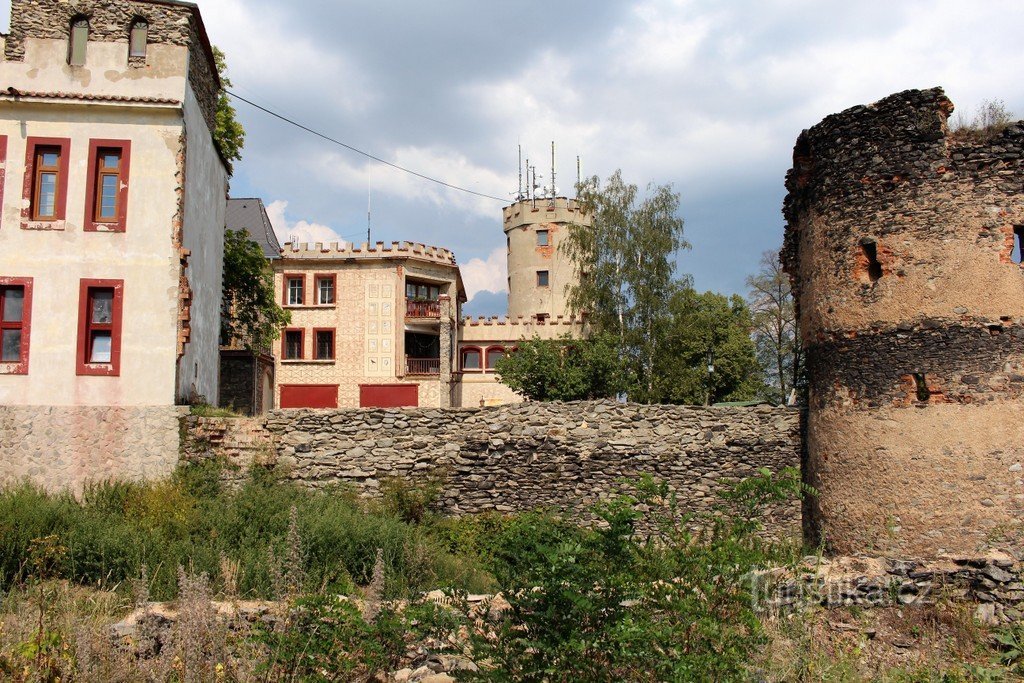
[(553, 192), (519, 197), (579, 179), (368, 167)]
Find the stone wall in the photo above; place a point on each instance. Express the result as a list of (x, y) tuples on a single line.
[(522, 456), (900, 246), (59, 447)]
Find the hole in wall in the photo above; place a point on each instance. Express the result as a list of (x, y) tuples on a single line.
[(922, 387), (870, 249), (1017, 255)]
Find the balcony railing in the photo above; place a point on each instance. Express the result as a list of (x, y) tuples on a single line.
[(422, 309), (422, 366)]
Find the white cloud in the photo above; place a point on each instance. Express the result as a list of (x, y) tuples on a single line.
[(490, 275), (298, 231)]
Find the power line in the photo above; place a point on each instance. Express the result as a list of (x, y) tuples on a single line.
[(365, 154)]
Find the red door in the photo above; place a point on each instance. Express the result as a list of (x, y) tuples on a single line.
[(389, 395), (309, 395)]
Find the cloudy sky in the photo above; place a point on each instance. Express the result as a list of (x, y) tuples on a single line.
[(708, 96)]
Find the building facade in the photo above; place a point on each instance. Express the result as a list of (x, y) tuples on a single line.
[(111, 235), (372, 325)]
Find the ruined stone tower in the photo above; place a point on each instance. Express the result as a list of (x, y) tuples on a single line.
[(538, 271), (903, 242)]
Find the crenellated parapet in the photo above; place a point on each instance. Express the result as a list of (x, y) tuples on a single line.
[(378, 250)]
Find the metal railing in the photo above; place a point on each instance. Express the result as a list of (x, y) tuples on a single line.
[(423, 309), (422, 366)]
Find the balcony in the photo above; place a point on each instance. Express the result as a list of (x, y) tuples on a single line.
[(422, 309), (422, 366)]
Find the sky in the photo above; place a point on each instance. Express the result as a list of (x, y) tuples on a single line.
[(706, 96)]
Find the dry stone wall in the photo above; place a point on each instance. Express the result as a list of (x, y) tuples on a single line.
[(518, 457)]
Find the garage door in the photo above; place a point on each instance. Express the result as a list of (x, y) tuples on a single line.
[(309, 395), (388, 395)]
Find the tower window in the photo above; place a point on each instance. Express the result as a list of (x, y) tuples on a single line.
[(79, 39), (922, 387), (870, 249), (542, 278), (1017, 255), (542, 238), (137, 38)]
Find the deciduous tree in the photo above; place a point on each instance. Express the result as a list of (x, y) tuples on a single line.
[(564, 369), (249, 312), (228, 135), (775, 332)]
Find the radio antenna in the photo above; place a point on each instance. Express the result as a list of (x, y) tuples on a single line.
[(553, 192)]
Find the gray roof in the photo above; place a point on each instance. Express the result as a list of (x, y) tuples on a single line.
[(250, 215)]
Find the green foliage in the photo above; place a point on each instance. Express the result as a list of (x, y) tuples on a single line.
[(773, 313), (249, 310), (118, 530), (564, 369), (411, 501), (228, 134), (613, 604), (700, 328)]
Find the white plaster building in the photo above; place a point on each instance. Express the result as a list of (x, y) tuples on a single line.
[(111, 235)]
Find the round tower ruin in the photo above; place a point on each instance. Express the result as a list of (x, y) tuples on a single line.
[(903, 243), (538, 271)]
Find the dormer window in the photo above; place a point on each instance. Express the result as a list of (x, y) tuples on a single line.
[(137, 38), (78, 41)]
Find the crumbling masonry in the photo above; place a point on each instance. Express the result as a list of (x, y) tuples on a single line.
[(902, 242)]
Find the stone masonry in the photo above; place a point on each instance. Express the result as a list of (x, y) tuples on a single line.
[(900, 243), (519, 456)]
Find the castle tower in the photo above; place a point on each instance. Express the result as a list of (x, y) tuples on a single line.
[(903, 244), (538, 271)]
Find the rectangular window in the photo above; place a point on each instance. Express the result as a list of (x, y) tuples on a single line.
[(106, 195), (542, 238), (294, 290), (292, 343), (422, 292), (325, 290), (324, 349), (45, 190), (542, 278), (99, 327), (471, 359), (15, 324)]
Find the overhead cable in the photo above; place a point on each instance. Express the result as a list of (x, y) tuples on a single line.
[(365, 154)]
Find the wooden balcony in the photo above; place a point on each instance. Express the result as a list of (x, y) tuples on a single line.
[(422, 366), (422, 309)]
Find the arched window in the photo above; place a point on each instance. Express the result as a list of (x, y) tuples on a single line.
[(79, 39), (137, 38), (494, 354), (471, 358)]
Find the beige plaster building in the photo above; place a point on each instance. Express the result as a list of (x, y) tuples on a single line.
[(372, 325), (111, 239)]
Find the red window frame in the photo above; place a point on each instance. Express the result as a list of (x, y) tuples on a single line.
[(462, 358), (316, 343), (284, 289), (86, 327), (32, 144), (316, 288), (284, 343), (487, 356), (93, 223), (19, 367)]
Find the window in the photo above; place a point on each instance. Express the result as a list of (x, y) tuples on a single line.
[(421, 292), (1018, 234), (542, 278), (292, 345), (870, 249), (293, 290), (494, 354), (542, 238), (324, 349), (15, 324), (99, 327), (325, 289), (106, 196), (79, 39), (137, 38), (471, 359), (46, 180), (542, 318)]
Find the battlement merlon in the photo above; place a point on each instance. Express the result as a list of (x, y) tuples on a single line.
[(530, 212), (503, 329), (379, 250)]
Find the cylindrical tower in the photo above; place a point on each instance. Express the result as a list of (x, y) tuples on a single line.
[(538, 271), (903, 245)]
